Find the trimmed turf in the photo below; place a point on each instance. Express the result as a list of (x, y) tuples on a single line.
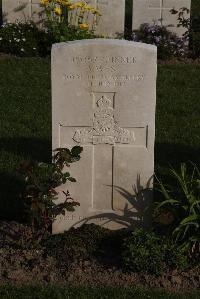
[(54, 292), (25, 131), (195, 7), (178, 115), (25, 93)]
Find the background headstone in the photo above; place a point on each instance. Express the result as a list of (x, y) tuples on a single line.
[(158, 12), (103, 98), (21, 10), (113, 17), (112, 21)]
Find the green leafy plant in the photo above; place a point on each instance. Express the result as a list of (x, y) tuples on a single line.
[(168, 44), (41, 182), (66, 21), (191, 22), (24, 39), (27, 40), (182, 201), (146, 252), (75, 13), (84, 242), (60, 32)]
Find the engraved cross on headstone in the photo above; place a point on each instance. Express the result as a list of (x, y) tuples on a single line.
[(30, 5), (105, 129), (104, 136), (159, 4)]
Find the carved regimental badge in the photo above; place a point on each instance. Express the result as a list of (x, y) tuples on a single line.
[(105, 128)]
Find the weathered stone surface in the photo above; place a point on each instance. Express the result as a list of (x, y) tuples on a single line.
[(103, 98), (113, 17), (21, 10), (158, 12), (111, 23)]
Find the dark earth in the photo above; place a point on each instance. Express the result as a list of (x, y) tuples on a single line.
[(84, 256)]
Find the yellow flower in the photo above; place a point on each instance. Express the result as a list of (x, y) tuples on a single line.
[(80, 4), (44, 2), (84, 26), (88, 7), (65, 2), (71, 7), (96, 12), (58, 11)]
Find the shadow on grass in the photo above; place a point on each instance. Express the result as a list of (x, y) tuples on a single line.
[(167, 154), (11, 185), (11, 206), (29, 148)]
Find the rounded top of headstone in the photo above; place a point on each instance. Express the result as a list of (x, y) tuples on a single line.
[(103, 41)]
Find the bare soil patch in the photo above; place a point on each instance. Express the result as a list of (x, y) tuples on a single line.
[(25, 261)]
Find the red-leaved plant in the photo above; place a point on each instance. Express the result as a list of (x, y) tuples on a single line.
[(41, 182)]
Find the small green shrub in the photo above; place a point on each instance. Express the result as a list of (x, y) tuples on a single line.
[(168, 44), (61, 32), (27, 40), (182, 200), (80, 242), (146, 252), (174, 257), (75, 13), (41, 181), (191, 22), (24, 40)]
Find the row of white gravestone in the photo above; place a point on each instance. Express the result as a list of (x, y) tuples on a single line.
[(113, 13), (104, 99), (110, 24)]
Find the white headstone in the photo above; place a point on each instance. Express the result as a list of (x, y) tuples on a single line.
[(111, 23), (21, 10), (103, 98), (158, 12), (113, 17)]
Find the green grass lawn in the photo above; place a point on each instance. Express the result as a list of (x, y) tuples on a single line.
[(25, 113), (53, 292), (178, 115), (25, 131), (195, 7)]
